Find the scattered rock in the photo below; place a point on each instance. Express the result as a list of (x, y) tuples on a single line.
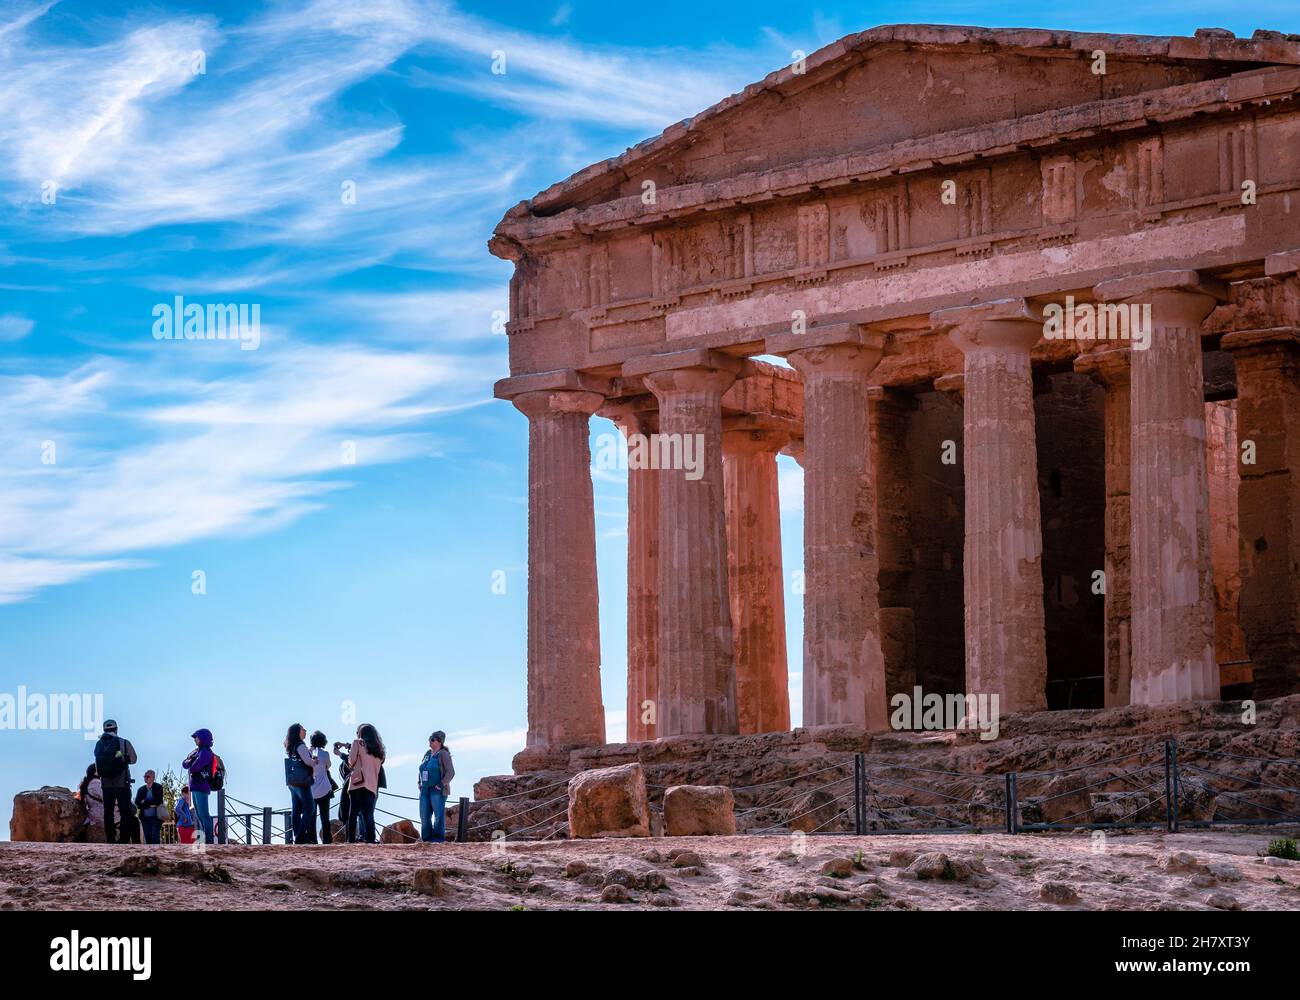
[(1179, 861), (687, 859), (838, 868), (401, 831), (428, 881), (615, 894), (902, 859), (575, 868), (699, 811), (935, 865), (51, 814), (1222, 901), (609, 802), (1224, 871), (1058, 892)]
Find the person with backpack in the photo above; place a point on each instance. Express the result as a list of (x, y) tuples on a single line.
[(299, 775), (184, 816), (149, 804), (434, 781), (113, 759), (323, 786), (365, 759), (207, 774)]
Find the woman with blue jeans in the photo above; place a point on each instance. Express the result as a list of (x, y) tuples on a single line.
[(436, 773), (303, 822), (199, 764)]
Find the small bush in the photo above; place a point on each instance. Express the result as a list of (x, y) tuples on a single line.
[(1283, 847)]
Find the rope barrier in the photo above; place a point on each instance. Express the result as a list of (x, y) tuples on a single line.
[(878, 773), (501, 822)]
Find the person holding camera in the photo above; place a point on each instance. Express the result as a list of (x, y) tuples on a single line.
[(365, 761)]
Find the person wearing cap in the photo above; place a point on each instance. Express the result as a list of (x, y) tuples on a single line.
[(435, 777), (113, 759)]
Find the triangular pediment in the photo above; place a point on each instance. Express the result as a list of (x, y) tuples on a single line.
[(891, 84)]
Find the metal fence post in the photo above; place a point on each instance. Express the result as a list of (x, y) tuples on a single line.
[(1013, 806), (859, 769), (1171, 758), (1169, 786), (462, 821), (221, 816), (266, 824)]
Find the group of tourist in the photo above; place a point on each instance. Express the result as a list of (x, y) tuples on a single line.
[(306, 773)]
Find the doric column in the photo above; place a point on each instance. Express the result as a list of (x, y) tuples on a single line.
[(1002, 562), (564, 700), (1268, 418), (843, 666), (755, 574), (638, 421), (1170, 573), (697, 670), (1110, 369), (890, 415)]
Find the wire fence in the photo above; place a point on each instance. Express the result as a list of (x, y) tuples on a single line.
[(1155, 785)]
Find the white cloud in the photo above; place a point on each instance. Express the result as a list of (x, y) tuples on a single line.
[(248, 450), (15, 327)]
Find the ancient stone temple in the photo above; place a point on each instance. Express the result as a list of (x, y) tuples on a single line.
[(1038, 301)]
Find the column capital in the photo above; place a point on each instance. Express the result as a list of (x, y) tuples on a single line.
[(700, 358), (560, 378), (1279, 340), (827, 335), (1000, 325), (1111, 369), (548, 402), (1181, 281)]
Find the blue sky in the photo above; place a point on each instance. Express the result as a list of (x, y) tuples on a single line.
[(327, 582)]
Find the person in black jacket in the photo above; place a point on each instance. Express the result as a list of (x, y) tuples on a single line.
[(113, 759), (149, 804)]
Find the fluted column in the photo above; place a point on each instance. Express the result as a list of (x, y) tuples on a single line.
[(756, 577), (564, 700), (1110, 369), (1171, 576), (638, 424), (1268, 416), (697, 678), (843, 666), (1002, 561)]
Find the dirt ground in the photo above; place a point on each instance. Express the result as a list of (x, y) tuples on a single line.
[(1218, 869)]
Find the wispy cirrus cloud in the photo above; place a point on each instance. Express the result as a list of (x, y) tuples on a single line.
[(243, 452)]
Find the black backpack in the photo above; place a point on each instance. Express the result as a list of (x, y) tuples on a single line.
[(110, 758)]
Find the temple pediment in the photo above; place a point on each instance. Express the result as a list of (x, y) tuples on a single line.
[(890, 84)]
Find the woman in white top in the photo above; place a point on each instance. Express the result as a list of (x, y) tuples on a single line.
[(322, 785)]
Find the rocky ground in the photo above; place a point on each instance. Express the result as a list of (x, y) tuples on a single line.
[(1217, 869)]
